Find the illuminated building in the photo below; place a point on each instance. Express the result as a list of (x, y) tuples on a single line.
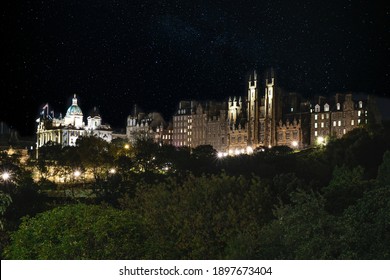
[(267, 116), (141, 126), (336, 116), (65, 131)]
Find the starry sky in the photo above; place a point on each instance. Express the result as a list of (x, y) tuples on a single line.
[(114, 54)]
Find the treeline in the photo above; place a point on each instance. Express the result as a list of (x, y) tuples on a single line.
[(329, 202)]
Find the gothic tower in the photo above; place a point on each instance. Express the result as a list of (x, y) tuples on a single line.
[(253, 110), (234, 110), (271, 109)]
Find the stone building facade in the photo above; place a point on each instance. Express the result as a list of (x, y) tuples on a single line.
[(148, 126), (267, 116), (336, 116), (65, 131)]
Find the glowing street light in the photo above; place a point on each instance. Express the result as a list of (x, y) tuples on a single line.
[(294, 144), (320, 140), (77, 173), (5, 176), (112, 171), (127, 146)]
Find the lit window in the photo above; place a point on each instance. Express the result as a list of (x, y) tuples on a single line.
[(322, 116), (334, 123), (327, 116), (315, 116), (360, 104), (317, 108), (359, 113), (344, 131), (339, 123), (352, 122), (315, 125), (338, 106), (326, 107), (322, 124), (315, 133), (358, 121)]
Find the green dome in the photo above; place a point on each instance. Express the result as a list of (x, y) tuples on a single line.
[(74, 109)]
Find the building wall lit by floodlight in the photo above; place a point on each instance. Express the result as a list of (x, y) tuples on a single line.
[(65, 131)]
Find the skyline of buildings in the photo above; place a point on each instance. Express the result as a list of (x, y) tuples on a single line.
[(241, 124), (267, 116)]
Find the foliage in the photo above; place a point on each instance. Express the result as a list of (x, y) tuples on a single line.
[(302, 230), (201, 217), (366, 227), (328, 202), (5, 201), (347, 185), (384, 170), (79, 232)]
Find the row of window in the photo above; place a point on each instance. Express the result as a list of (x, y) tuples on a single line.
[(338, 107), (287, 135), (182, 136), (324, 133), (239, 139), (336, 123), (182, 118)]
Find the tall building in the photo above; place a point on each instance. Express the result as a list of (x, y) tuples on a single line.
[(276, 117), (182, 124), (336, 116), (65, 131), (244, 124)]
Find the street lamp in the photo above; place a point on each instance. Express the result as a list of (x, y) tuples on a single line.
[(294, 144), (77, 173), (321, 140), (5, 176)]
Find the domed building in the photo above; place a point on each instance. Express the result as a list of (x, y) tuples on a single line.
[(74, 115), (65, 131)]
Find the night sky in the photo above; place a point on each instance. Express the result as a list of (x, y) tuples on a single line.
[(114, 54)]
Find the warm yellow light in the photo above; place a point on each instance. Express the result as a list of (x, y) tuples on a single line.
[(294, 143), (220, 155), (77, 173), (5, 176), (112, 171), (320, 140), (249, 150), (127, 146)]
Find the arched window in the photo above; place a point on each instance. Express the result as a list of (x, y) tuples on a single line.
[(326, 107)]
